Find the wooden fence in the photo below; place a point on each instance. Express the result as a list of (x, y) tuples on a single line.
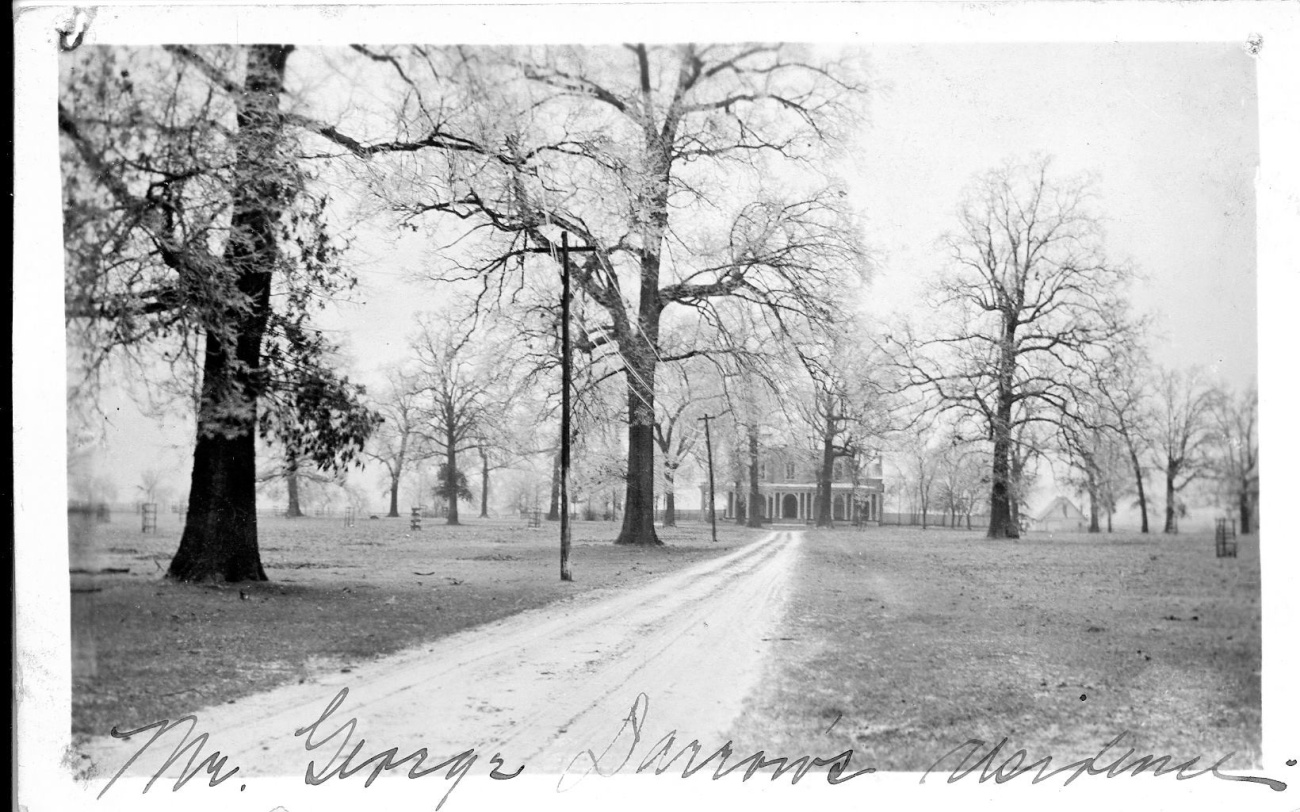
[(939, 520)]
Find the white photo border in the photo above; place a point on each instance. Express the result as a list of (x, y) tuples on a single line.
[(42, 679)]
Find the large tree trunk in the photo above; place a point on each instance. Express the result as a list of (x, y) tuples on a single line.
[(219, 542), (294, 510), (1017, 472), (1002, 523), (1246, 510), (483, 498), (1171, 498), (670, 496), (1141, 488), (639, 504), (453, 478), (1000, 520), (220, 537), (393, 512), (639, 511), (640, 344), (825, 516), (670, 506), (1094, 515)]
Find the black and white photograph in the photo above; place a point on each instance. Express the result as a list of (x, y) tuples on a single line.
[(706, 404)]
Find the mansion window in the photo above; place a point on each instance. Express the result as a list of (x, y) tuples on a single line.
[(789, 471)]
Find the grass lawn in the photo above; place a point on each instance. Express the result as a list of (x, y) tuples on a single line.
[(145, 648), (917, 641)]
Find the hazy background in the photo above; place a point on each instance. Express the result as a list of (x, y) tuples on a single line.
[(1168, 131)]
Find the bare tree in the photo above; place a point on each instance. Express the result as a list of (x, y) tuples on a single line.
[(302, 482), (1028, 445), (962, 473), (676, 436), (1028, 295), (923, 461), (456, 393), (1094, 452), (487, 464), (1183, 428), (833, 418), (735, 460), (667, 162), (751, 399), (1114, 479), (151, 482), (1235, 452), (599, 461), (398, 442), (527, 336), (1120, 382), (506, 432), (677, 429), (844, 409)]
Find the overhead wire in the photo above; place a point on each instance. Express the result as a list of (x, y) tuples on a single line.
[(628, 368)]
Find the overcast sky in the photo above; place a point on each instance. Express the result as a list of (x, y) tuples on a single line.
[(1169, 131)]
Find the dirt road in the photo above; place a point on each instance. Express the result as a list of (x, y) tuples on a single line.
[(539, 688)]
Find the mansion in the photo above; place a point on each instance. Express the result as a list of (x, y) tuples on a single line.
[(787, 483)]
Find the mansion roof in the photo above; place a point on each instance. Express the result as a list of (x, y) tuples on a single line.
[(795, 468)]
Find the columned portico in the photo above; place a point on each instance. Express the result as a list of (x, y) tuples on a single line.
[(797, 502), (788, 490)]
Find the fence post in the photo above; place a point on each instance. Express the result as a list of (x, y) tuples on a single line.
[(1225, 538)]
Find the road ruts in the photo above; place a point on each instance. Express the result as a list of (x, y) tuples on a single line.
[(540, 687)]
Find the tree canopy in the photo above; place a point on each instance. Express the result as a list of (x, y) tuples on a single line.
[(1028, 295), (196, 239), (661, 160)]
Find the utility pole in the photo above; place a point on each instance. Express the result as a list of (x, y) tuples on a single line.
[(566, 379), (713, 502)]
